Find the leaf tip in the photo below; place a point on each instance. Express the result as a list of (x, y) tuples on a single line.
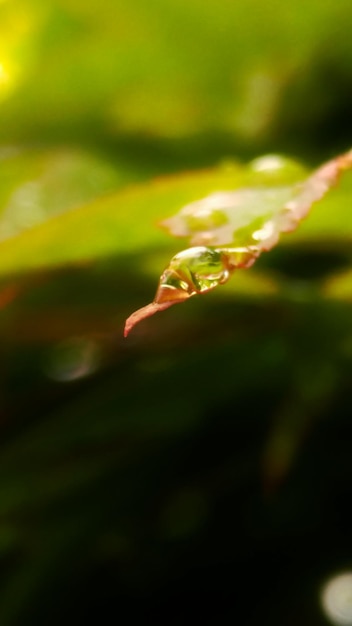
[(143, 313)]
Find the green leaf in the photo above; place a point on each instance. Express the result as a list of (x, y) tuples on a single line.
[(117, 224), (38, 184), (69, 65)]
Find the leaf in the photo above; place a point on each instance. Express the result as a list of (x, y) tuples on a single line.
[(250, 221), (38, 184), (115, 224), (70, 64)]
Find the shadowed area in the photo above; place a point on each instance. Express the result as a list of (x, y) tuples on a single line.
[(199, 470)]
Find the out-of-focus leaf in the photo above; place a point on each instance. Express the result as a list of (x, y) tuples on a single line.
[(116, 224), (339, 286), (126, 221), (128, 68), (38, 184)]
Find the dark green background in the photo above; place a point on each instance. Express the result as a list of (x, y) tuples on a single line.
[(199, 471)]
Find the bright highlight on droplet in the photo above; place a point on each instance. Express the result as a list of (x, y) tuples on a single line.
[(268, 162), (336, 599)]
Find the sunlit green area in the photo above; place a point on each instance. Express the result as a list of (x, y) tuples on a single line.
[(200, 470)]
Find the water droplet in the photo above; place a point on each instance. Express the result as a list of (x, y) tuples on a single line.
[(194, 271), (274, 169)]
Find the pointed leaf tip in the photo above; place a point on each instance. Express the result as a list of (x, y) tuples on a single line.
[(143, 313)]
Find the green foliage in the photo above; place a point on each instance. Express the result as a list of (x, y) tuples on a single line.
[(174, 467)]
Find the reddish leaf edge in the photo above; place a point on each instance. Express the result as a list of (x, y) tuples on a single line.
[(144, 313)]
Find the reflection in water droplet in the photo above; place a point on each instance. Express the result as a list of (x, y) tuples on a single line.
[(192, 271), (73, 359), (336, 599)]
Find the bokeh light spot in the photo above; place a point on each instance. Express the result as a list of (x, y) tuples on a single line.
[(336, 599), (73, 359), (4, 77)]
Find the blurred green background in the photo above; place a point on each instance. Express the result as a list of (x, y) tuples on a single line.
[(199, 471)]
